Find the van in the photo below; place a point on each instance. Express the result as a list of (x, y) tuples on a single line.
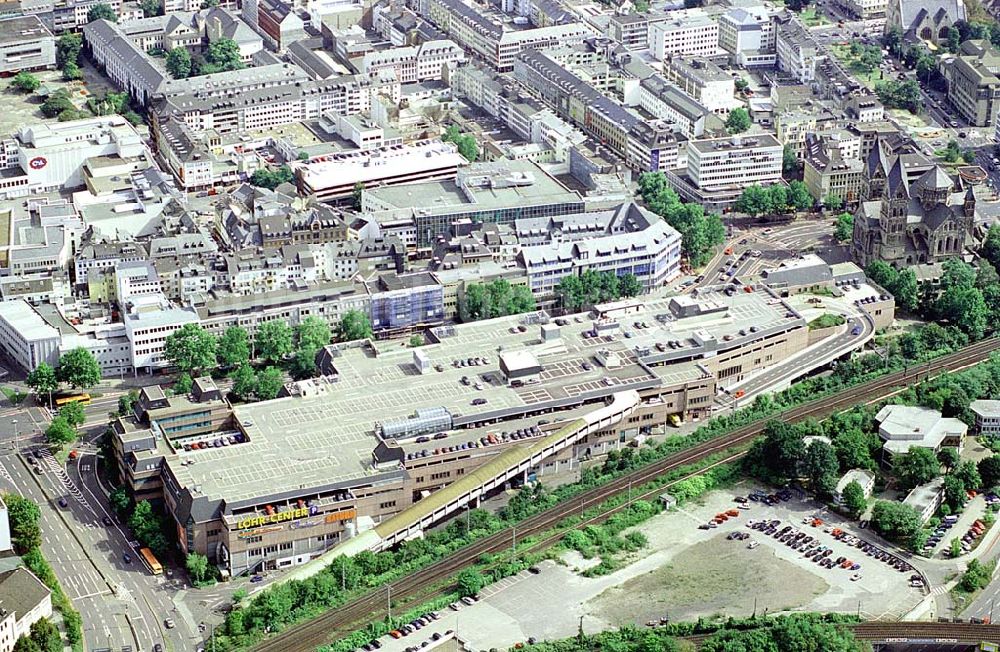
[(753, 544)]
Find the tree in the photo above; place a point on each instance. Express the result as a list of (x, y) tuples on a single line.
[(700, 232), (304, 364), (738, 121), (778, 454), (798, 196), (26, 644), (954, 39), (151, 8), (833, 203), (312, 333), (954, 492), (416, 340), (900, 95), (46, 635), (976, 576), (968, 473), (948, 457), (102, 12), (466, 143), (244, 382), (916, 467), (357, 196), (470, 582), (182, 385), (754, 201), (740, 84), (179, 63), (127, 401), (58, 102), (991, 246), (79, 369), (147, 526), (24, 516), (68, 49), (25, 82), (267, 179), (119, 500), (820, 465), (42, 380), (274, 340), (989, 471), (197, 565), (895, 521), (629, 285), (854, 499), (190, 348), (224, 54), (269, 383), (73, 413), (844, 228), (853, 448), (354, 325), (893, 41), (60, 432), (233, 348)]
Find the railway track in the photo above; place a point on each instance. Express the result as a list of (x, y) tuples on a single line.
[(353, 615)]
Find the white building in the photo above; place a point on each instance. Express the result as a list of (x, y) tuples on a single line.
[(625, 240), (25, 337), (987, 416), (749, 35), (149, 320), (24, 600), (46, 157), (902, 427), (706, 82), (735, 162), (864, 477), (25, 44), (692, 36), (797, 51), (926, 498), (334, 176)]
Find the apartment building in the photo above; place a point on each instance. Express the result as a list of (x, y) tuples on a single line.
[(25, 44), (833, 169), (693, 35), (24, 600), (666, 101), (425, 62), (278, 23), (631, 30), (96, 256), (149, 320), (867, 9), (974, 83)]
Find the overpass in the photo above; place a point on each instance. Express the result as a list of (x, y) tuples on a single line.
[(471, 488)]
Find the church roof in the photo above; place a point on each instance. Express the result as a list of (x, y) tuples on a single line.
[(934, 179)]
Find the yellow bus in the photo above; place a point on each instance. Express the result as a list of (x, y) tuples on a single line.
[(151, 561), (83, 399)]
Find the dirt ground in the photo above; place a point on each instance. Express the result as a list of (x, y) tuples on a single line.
[(715, 577)]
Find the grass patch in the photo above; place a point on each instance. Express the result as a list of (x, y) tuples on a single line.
[(812, 18), (13, 395), (827, 320)]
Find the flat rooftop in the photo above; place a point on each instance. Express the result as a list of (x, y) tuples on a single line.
[(329, 438)]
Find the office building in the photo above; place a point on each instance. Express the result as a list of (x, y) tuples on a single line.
[(797, 51), (26, 337), (703, 80), (694, 35), (425, 62), (25, 44), (719, 169), (749, 36), (973, 83), (987, 416), (902, 427)]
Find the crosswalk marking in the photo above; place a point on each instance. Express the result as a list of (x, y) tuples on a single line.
[(64, 478)]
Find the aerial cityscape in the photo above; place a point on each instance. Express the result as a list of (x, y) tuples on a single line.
[(487, 325)]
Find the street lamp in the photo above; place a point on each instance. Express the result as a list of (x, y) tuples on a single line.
[(14, 421)]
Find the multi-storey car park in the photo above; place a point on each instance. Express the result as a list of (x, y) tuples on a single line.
[(387, 426)]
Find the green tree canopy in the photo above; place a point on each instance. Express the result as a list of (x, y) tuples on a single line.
[(24, 517), (820, 465), (269, 382), (179, 63), (312, 333), (738, 121), (274, 340), (73, 413), (844, 228), (854, 498), (190, 348), (470, 582), (102, 11), (895, 521), (60, 432), (989, 471), (58, 102), (700, 233), (754, 201), (224, 54), (45, 634), (916, 467), (25, 82), (68, 49), (354, 325), (497, 298), (233, 348), (42, 379), (79, 369), (196, 565), (853, 448), (244, 382), (265, 178)]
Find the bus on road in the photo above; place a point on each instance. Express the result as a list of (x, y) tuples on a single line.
[(65, 399), (151, 561)]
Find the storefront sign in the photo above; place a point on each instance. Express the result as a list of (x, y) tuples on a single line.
[(276, 517), (342, 515), (246, 534), (37, 163)]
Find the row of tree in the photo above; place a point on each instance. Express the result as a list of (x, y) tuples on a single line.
[(700, 232), (497, 298), (591, 287), (77, 368), (775, 199), (466, 143)]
